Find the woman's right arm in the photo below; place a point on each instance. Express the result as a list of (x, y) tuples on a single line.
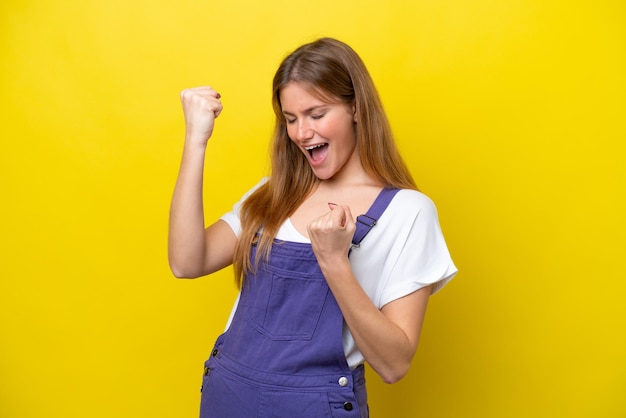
[(194, 251)]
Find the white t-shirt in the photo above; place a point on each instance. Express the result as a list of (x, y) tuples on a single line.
[(402, 253)]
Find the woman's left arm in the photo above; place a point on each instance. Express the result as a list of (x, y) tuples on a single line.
[(388, 337)]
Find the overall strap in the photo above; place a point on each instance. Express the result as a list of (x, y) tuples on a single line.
[(364, 223)]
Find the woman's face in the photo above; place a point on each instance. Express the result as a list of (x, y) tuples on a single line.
[(324, 131)]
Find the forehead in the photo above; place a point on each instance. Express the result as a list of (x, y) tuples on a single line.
[(297, 93)]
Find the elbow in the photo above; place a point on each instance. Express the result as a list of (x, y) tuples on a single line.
[(179, 274), (181, 271), (393, 373), (394, 376), (184, 265), (185, 274)]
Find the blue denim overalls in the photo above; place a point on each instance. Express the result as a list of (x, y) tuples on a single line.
[(282, 355)]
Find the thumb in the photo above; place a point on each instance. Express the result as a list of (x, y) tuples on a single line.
[(343, 214)]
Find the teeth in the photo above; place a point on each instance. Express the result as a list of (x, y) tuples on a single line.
[(313, 147)]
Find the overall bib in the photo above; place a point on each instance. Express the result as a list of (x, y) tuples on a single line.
[(282, 355)]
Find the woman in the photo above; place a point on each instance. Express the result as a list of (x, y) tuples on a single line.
[(321, 291)]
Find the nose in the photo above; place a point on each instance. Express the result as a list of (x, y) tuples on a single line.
[(303, 130)]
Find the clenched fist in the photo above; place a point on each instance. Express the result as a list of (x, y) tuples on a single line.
[(331, 234), (201, 106)]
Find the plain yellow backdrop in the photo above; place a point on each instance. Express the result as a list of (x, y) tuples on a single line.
[(511, 116)]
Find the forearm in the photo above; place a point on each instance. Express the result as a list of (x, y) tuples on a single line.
[(186, 225), (383, 343)]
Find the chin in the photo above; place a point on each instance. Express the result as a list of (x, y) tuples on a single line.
[(325, 177), (322, 176), (326, 173)]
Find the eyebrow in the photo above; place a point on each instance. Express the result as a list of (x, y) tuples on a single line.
[(307, 111)]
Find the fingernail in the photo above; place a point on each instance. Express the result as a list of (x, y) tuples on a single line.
[(219, 96)]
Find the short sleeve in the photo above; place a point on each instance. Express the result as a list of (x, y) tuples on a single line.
[(420, 256)]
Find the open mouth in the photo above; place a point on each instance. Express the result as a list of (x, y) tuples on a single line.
[(317, 152)]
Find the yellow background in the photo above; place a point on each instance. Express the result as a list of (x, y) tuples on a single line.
[(511, 115)]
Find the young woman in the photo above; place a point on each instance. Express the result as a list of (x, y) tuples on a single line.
[(321, 291)]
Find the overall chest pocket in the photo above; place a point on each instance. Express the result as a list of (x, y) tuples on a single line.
[(288, 306)]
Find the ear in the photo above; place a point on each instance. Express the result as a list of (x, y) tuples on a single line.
[(354, 118)]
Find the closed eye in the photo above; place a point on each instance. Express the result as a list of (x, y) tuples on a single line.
[(314, 117)]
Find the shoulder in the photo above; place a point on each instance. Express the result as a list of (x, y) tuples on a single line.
[(409, 202)]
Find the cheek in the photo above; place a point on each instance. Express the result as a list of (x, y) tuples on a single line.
[(343, 125), (347, 131), (329, 128)]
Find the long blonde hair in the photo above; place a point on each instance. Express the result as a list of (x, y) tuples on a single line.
[(331, 69)]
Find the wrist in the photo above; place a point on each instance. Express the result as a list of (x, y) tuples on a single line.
[(195, 146), (337, 266), (196, 139)]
